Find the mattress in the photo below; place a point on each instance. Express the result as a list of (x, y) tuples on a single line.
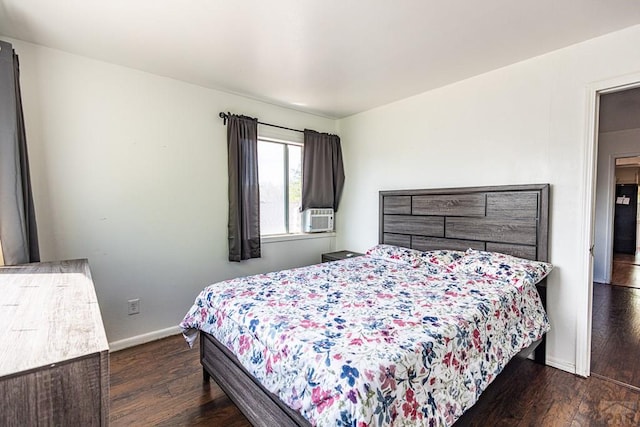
[(368, 341)]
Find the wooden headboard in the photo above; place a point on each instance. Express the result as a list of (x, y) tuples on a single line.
[(510, 219)]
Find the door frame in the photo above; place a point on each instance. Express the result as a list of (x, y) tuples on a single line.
[(584, 298)]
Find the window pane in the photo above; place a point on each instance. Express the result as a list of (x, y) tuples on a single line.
[(295, 188), (271, 176)]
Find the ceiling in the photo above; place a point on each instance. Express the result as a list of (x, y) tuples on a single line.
[(328, 57)]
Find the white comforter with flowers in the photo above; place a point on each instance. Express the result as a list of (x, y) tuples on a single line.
[(372, 341)]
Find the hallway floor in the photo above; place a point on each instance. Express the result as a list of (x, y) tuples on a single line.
[(626, 270), (615, 344)]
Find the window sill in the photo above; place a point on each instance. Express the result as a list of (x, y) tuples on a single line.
[(297, 236)]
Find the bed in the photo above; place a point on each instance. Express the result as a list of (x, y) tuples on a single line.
[(510, 220)]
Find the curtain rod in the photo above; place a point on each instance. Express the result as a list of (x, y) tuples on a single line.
[(224, 116)]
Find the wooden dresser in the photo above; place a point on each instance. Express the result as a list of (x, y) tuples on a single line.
[(54, 355)]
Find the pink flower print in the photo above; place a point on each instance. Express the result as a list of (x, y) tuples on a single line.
[(322, 399), (450, 413), (368, 375), (447, 359), (388, 377), (306, 323), (476, 340), (410, 406), (244, 344)]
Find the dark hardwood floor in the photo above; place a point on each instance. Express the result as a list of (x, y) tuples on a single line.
[(615, 340), (160, 383), (626, 270)]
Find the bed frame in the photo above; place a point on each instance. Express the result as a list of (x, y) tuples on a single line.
[(508, 219)]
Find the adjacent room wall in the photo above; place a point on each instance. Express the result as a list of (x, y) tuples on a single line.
[(129, 170), (626, 175), (525, 123), (611, 145)]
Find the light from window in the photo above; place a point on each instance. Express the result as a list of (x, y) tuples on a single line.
[(280, 179)]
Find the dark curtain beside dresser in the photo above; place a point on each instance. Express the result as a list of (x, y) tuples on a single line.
[(18, 233)]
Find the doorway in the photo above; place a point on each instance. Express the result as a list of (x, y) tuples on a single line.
[(626, 229), (615, 334)]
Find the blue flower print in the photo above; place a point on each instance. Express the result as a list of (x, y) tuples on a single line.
[(350, 374)]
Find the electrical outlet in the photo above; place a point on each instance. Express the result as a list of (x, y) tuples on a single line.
[(134, 306)]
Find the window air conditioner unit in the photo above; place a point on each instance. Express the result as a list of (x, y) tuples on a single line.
[(317, 220)]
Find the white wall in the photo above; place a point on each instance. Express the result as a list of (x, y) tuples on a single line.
[(526, 123), (611, 145), (129, 170)]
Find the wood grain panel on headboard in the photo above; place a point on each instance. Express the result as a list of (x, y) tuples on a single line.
[(511, 219)]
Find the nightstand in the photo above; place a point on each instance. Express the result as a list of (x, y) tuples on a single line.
[(336, 256)]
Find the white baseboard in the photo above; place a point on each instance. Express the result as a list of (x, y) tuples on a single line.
[(600, 280), (144, 338), (561, 364)]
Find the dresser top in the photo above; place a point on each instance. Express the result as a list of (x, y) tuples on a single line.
[(49, 314)]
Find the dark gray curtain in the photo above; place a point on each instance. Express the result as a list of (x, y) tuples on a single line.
[(322, 170), (244, 193), (18, 232)]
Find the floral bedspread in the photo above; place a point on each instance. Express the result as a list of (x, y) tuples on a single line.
[(370, 342)]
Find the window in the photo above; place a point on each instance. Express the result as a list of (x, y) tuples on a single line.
[(280, 179)]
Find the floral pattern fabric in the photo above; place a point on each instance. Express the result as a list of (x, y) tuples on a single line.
[(495, 265), (371, 342), (441, 258), (412, 257)]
